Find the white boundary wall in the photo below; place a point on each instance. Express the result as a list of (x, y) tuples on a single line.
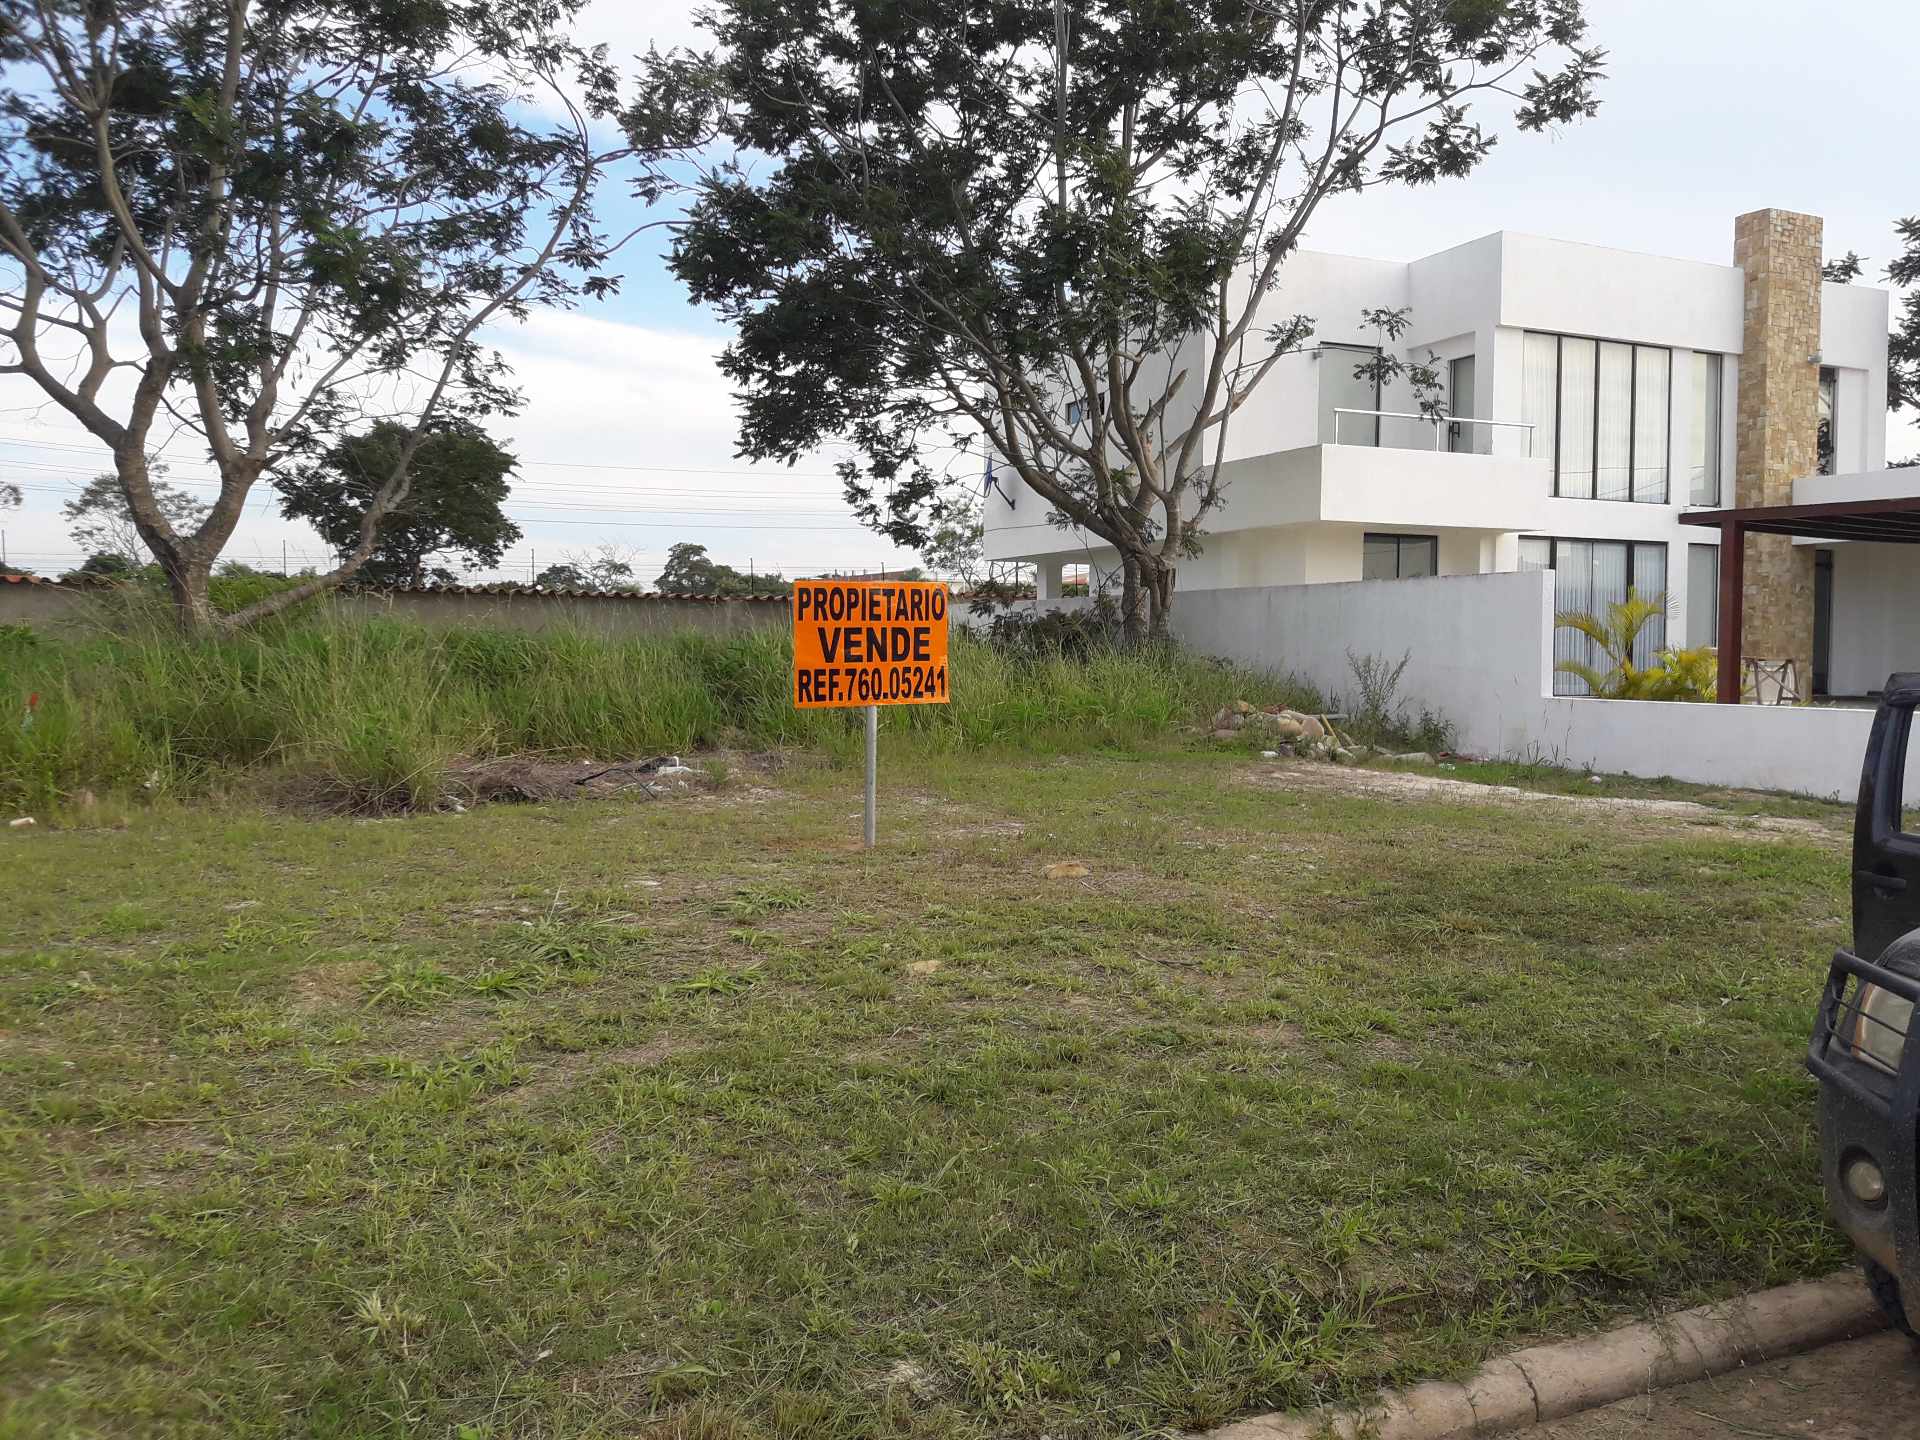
[(1482, 658)]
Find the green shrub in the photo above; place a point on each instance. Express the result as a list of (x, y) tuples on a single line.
[(374, 712)]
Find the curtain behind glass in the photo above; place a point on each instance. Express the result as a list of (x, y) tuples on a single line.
[(1576, 417), (1572, 590), (1703, 483), (1650, 582), (1538, 391), (1651, 367), (1613, 476), (1703, 595)]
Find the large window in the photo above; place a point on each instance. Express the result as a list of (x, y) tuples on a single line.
[(1703, 485), (1399, 557), (1829, 418), (1600, 411), (1588, 576)]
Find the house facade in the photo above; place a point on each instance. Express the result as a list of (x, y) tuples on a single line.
[(1594, 397)]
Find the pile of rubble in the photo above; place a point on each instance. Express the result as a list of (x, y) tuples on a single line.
[(1285, 732)]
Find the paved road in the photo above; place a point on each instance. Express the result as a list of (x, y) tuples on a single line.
[(1857, 1390)]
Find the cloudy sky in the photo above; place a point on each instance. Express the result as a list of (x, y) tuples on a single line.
[(1712, 108)]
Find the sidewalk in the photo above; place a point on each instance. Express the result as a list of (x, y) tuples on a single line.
[(1865, 1389)]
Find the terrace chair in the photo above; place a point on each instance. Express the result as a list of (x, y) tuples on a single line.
[(1771, 682)]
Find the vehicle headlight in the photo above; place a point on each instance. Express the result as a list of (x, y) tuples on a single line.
[(1880, 1028)]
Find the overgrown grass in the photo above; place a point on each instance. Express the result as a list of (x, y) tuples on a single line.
[(687, 1119), (377, 709)]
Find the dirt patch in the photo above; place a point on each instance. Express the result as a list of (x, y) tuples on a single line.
[(320, 989), (1402, 785), (566, 1071), (535, 778)]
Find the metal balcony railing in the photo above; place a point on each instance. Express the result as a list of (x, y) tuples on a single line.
[(1440, 423)]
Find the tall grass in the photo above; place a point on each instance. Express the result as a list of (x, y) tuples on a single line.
[(376, 711)]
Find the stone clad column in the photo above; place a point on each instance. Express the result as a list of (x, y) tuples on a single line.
[(1775, 423)]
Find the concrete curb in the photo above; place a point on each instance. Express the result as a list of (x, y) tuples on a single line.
[(1547, 1382)]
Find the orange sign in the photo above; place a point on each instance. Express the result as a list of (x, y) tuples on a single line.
[(869, 642)]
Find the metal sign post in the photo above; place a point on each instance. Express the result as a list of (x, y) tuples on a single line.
[(868, 643), (873, 772)]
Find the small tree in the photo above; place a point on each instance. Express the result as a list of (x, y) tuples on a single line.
[(103, 522), (690, 571), (995, 225), (1674, 674), (452, 506), (283, 220)]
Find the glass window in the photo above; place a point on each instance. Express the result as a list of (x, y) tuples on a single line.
[(1613, 470), (1342, 389), (1590, 575), (1652, 368), (1578, 364), (1536, 552), (1600, 411), (1703, 484), (1540, 390), (1703, 594), (1399, 557), (1829, 417)]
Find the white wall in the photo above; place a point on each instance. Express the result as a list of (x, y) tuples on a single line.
[(1876, 616), (1481, 657)]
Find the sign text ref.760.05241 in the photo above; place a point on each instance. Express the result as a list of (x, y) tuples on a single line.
[(869, 642)]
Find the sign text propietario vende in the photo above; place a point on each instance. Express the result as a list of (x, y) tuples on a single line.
[(869, 643)]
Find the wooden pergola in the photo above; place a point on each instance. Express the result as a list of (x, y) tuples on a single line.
[(1893, 521)]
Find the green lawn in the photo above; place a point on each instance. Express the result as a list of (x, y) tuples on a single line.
[(686, 1118)]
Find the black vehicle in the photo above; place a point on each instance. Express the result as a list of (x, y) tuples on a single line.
[(1869, 1075)]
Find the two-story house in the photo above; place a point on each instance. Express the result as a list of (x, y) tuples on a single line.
[(1595, 398)]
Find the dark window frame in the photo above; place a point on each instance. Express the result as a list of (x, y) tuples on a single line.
[(1826, 458), (1400, 543), (1634, 347)]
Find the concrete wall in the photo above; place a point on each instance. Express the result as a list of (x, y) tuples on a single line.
[(41, 605), (1481, 648)]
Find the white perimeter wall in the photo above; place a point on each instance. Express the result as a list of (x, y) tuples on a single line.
[(1482, 659)]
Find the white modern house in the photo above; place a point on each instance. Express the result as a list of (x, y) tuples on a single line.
[(1598, 399)]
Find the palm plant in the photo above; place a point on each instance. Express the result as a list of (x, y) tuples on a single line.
[(1674, 675)]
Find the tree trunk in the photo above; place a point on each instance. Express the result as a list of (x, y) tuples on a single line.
[(188, 582), (1158, 583), (1133, 614)]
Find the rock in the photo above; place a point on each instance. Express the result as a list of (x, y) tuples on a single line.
[(1413, 757), (923, 967), (1269, 754), (1241, 707), (1595, 780), (1226, 734), (1310, 726), (21, 824), (1067, 870), (1341, 756), (1285, 726)]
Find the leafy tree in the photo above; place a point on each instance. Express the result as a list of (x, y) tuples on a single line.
[(1903, 347), (452, 506), (974, 226), (690, 571), (286, 219), (9, 495), (562, 577), (103, 522), (606, 569), (1844, 271)]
